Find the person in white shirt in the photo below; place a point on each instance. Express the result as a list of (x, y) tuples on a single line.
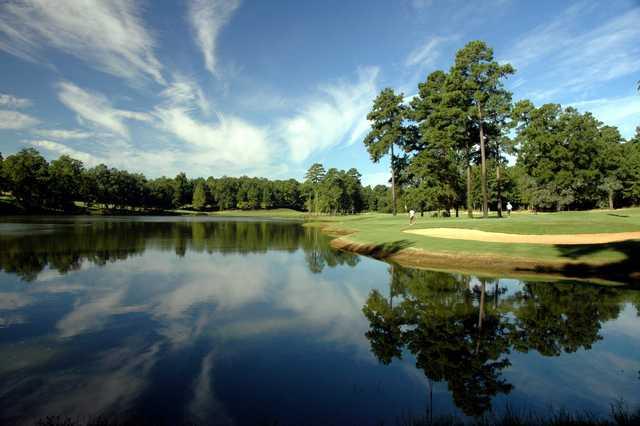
[(509, 207), (412, 217)]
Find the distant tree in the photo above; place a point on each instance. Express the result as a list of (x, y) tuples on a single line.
[(313, 179), (66, 176), (182, 190), (630, 169), (160, 192), (199, 196), (387, 118), (4, 185), (353, 189), (27, 173)]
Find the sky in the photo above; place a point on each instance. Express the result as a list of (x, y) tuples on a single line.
[(266, 88)]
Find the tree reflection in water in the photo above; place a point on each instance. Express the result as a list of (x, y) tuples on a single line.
[(104, 240), (461, 331)]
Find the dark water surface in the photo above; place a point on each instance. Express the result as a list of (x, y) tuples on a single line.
[(254, 322)]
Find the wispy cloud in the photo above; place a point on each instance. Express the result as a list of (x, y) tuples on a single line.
[(580, 59), (229, 144), (109, 35), (623, 112), (10, 101), (207, 17), (427, 53), (97, 109), (185, 92), (337, 114), (14, 120), (63, 134)]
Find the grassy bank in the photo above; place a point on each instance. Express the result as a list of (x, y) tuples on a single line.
[(274, 213), (381, 236)]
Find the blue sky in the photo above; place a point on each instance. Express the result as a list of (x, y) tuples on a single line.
[(215, 87)]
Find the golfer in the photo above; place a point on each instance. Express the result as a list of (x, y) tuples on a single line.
[(412, 217), (509, 207)]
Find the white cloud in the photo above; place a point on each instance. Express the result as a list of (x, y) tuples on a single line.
[(15, 120), (10, 101), (207, 17), (60, 149), (107, 34), (64, 134), (97, 109), (231, 142), (623, 112), (338, 114), (569, 58), (426, 54), (185, 92)]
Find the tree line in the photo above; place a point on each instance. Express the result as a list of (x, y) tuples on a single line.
[(59, 185), (67, 248), (448, 145)]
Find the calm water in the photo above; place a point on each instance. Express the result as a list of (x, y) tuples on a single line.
[(245, 322)]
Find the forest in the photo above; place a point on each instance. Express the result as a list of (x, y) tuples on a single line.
[(461, 142), (66, 185)]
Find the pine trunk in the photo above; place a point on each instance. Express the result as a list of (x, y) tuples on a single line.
[(610, 200), (483, 175), (469, 204), (393, 184), (498, 188)]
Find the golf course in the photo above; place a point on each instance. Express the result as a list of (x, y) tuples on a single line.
[(609, 251)]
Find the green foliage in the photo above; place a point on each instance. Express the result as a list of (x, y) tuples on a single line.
[(66, 176), (27, 174), (334, 191), (572, 160), (388, 128), (199, 196), (465, 117), (182, 190)]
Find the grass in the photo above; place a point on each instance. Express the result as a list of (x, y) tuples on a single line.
[(274, 213), (381, 235)]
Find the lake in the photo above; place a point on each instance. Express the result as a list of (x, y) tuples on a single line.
[(246, 321)]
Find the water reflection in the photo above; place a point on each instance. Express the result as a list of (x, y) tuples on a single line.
[(63, 244), (244, 322), (461, 331)]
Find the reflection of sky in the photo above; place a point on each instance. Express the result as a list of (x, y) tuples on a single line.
[(210, 335)]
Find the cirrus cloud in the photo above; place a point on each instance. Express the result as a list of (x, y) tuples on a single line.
[(337, 114), (109, 35), (207, 17), (14, 120), (96, 108), (10, 101)]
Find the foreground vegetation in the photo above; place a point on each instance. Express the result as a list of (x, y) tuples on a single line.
[(619, 416), (382, 236)]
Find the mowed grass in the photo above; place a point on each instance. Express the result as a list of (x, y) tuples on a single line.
[(387, 229), (273, 213)]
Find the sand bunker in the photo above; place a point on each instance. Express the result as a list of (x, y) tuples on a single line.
[(498, 237)]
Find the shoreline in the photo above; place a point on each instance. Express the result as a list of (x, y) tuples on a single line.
[(490, 265)]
